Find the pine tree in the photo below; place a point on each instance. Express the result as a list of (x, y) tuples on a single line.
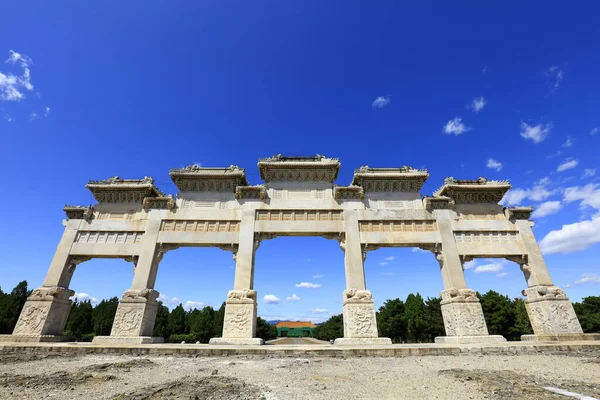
[(103, 316), (434, 322), (161, 326), (415, 317), (177, 321), (391, 321), (79, 323), (264, 330), (331, 329)]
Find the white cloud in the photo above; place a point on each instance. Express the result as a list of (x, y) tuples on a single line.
[(317, 276), (567, 164), (502, 274), (418, 250), (8, 118), (477, 104), (387, 273), (46, 111), (539, 192), (270, 299), (588, 194), (493, 267), (455, 127), (536, 133), (585, 278), (381, 101), (169, 301), (308, 285), (383, 263), (494, 164), (190, 305), (555, 74), (320, 311), (589, 172), (13, 86), (292, 298), (33, 116), (594, 131), (470, 264), (547, 208), (572, 237), (568, 143), (390, 258), (84, 297)]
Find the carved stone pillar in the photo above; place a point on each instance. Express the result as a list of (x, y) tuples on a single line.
[(464, 321), (239, 324), (550, 312), (360, 322), (136, 313)]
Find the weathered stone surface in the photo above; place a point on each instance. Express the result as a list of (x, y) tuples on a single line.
[(45, 312), (561, 337), (372, 341), (136, 314), (359, 314), (462, 313), (550, 311), (240, 319), (237, 341), (108, 340), (470, 339)]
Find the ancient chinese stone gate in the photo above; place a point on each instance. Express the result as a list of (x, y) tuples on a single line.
[(217, 207)]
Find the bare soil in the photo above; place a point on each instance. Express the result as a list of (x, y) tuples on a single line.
[(27, 376)]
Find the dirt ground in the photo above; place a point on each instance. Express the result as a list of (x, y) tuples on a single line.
[(26, 376)]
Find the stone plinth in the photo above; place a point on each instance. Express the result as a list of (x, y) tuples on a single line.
[(239, 324), (470, 339), (127, 340), (135, 316), (35, 338), (550, 311), (44, 315), (362, 341), (463, 316), (561, 337), (360, 323)]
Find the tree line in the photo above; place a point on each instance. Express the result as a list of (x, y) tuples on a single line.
[(413, 320)]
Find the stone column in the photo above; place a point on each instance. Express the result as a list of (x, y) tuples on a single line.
[(46, 310), (550, 312), (360, 323), (239, 325), (461, 310), (136, 313)]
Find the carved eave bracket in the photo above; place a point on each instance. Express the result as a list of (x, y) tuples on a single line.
[(79, 212), (251, 193), (194, 178), (480, 190), (438, 203), (348, 193), (160, 203), (286, 168), (117, 190), (514, 213), (404, 179)]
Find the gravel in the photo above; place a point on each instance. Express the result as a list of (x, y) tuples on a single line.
[(279, 378)]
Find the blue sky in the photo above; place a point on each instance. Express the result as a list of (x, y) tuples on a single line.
[(507, 91)]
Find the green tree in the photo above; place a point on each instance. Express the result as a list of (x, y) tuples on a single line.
[(499, 314), (79, 324), (588, 312), (434, 323), (201, 324), (177, 321), (333, 328), (103, 316), (414, 309), (161, 326), (218, 321), (265, 330), (391, 321), (521, 326), (11, 305)]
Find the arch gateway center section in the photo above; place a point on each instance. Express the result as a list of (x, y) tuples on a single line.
[(382, 207)]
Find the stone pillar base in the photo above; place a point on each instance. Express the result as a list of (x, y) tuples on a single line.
[(238, 341), (239, 324), (462, 313), (360, 323), (550, 311), (561, 337), (136, 314), (45, 312), (127, 339), (362, 341), (470, 339), (35, 338)]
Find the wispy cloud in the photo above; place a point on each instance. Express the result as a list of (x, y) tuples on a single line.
[(502, 274), (567, 164), (383, 263), (270, 299), (470, 264), (320, 311), (493, 267), (455, 127), (12, 87), (588, 172), (46, 111), (594, 131), (84, 297), (292, 298), (547, 208), (555, 75), (387, 273), (477, 104), (539, 192), (317, 276), (169, 301), (33, 116), (536, 133), (585, 278), (484, 69), (308, 285), (191, 305), (381, 101), (568, 143), (494, 164)]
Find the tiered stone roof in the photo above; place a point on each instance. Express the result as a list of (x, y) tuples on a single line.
[(117, 190), (291, 168), (480, 190), (194, 178), (404, 179)]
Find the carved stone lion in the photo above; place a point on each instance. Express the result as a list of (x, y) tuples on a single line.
[(356, 294), (244, 294), (148, 294)]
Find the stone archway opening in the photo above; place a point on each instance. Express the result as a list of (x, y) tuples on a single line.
[(300, 282)]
